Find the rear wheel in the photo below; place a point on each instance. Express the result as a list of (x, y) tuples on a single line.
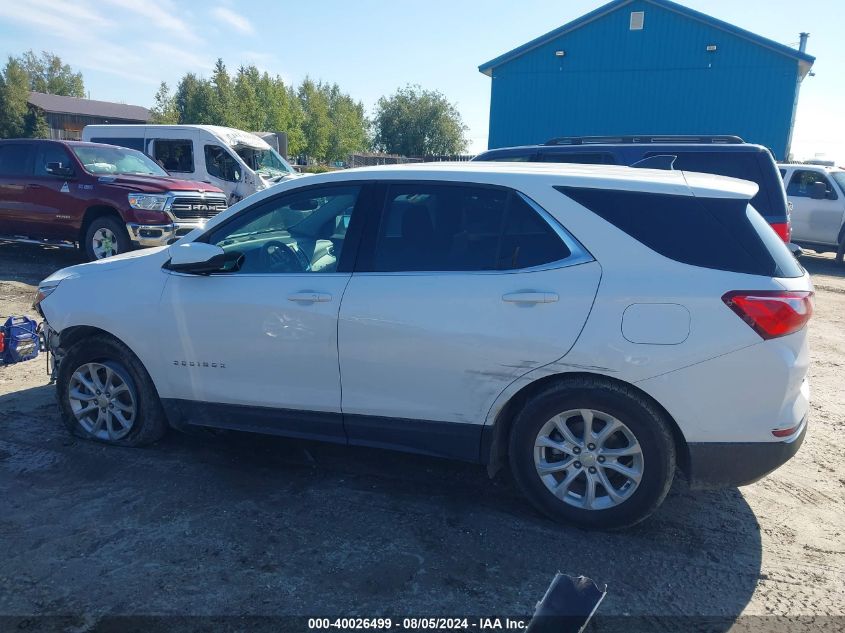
[(105, 394), (840, 251), (105, 236), (593, 453)]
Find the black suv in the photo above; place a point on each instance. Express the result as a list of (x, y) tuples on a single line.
[(721, 155)]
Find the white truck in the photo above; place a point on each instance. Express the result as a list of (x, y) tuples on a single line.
[(238, 162), (817, 195)]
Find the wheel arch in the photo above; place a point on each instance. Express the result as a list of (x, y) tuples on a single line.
[(495, 436), (75, 333), (97, 211)]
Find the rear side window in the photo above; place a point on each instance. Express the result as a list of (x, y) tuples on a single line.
[(584, 158), (742, 165), (433, 227), (15, 160), (174, 154), (131, 143), (719, 233)]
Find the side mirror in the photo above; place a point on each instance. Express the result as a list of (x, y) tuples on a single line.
[(818, 191), (57, 169), (199, 258)]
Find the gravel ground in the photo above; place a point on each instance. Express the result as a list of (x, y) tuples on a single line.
[(233, 524)]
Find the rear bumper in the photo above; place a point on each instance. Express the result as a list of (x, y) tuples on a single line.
[(727, 464)]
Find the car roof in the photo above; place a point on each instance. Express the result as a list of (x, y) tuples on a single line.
[(557, 174), (829, 168), (53, 140), (593, 147)]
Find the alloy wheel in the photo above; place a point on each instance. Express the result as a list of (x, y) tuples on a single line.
[(588, 459), (102, 399), (104, 243)]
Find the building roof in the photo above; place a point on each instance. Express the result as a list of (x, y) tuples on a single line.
[(88, 107), (487, 67)]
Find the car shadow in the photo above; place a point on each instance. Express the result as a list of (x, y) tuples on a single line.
[(30, 263), (821, 264), (232, 523)]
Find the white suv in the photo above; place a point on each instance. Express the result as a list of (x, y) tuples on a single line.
[(597, 327)]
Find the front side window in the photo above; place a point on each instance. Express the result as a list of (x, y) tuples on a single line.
[(297, 232), (802, 181), (264, 162), (103, 160), (174, 154), (434, 227), (51, 153), (221, 164), (15, 160)]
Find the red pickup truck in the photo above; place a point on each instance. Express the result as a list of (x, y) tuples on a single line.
[(104, 198)]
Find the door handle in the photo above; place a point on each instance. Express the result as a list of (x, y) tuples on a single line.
[(310, 297), (530, 297)]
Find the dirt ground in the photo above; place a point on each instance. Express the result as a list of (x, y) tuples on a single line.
[(247, 525)]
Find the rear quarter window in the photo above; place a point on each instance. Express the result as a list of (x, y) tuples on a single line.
[(742, 165), (718, 233)]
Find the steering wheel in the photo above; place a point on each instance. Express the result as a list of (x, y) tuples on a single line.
[(282, 258)]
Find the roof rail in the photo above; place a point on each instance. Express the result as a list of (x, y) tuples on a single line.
[(663, 138)]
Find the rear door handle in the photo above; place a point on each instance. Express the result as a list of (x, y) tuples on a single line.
[(530, 297), (310, 297)]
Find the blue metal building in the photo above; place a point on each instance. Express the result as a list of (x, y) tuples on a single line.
[(646, 67)]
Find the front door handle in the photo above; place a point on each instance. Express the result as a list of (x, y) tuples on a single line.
[(310, 297), (530, 297)]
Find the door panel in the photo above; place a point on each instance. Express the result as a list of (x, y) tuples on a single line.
[(15, 205), (459, 289), (442, 347), (54, 198), (264, 337), (814, 220)]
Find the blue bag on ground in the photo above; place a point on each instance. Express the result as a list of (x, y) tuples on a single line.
[(21, 340)]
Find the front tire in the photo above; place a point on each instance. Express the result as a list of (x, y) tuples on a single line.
[(106, 395), (840, 251), (592, 453), (104, 237)]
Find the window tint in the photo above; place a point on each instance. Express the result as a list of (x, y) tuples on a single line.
[(584, 158), (174, 155), (293, 233), (721, 233), (802, 181), (131, 143), (51, 153), (742, 165), (461, 228), (16, 160), (221, 164)]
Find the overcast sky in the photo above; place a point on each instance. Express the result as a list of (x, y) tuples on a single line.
[(371, 47)]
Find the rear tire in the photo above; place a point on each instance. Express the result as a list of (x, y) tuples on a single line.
[(104, 237), (840, 251), (635, 457), (105, 394)]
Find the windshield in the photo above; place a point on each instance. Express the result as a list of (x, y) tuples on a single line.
[(265, 162), (116, 160), (839, 177)]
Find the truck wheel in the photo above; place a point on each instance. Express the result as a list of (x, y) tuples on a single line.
[(592, 453), (840, 251), (104, 237), (105, 394)]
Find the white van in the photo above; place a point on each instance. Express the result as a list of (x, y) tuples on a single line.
[(238, 162)]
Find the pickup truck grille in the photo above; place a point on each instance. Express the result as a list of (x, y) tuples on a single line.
[(197, 207)]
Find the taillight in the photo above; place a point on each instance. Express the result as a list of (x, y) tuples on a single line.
[(772, 313), (2, 342), (783, 230)]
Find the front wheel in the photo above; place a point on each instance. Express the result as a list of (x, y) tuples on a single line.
[(592, 453), (840, 251), (105, 394), (105, 236)]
